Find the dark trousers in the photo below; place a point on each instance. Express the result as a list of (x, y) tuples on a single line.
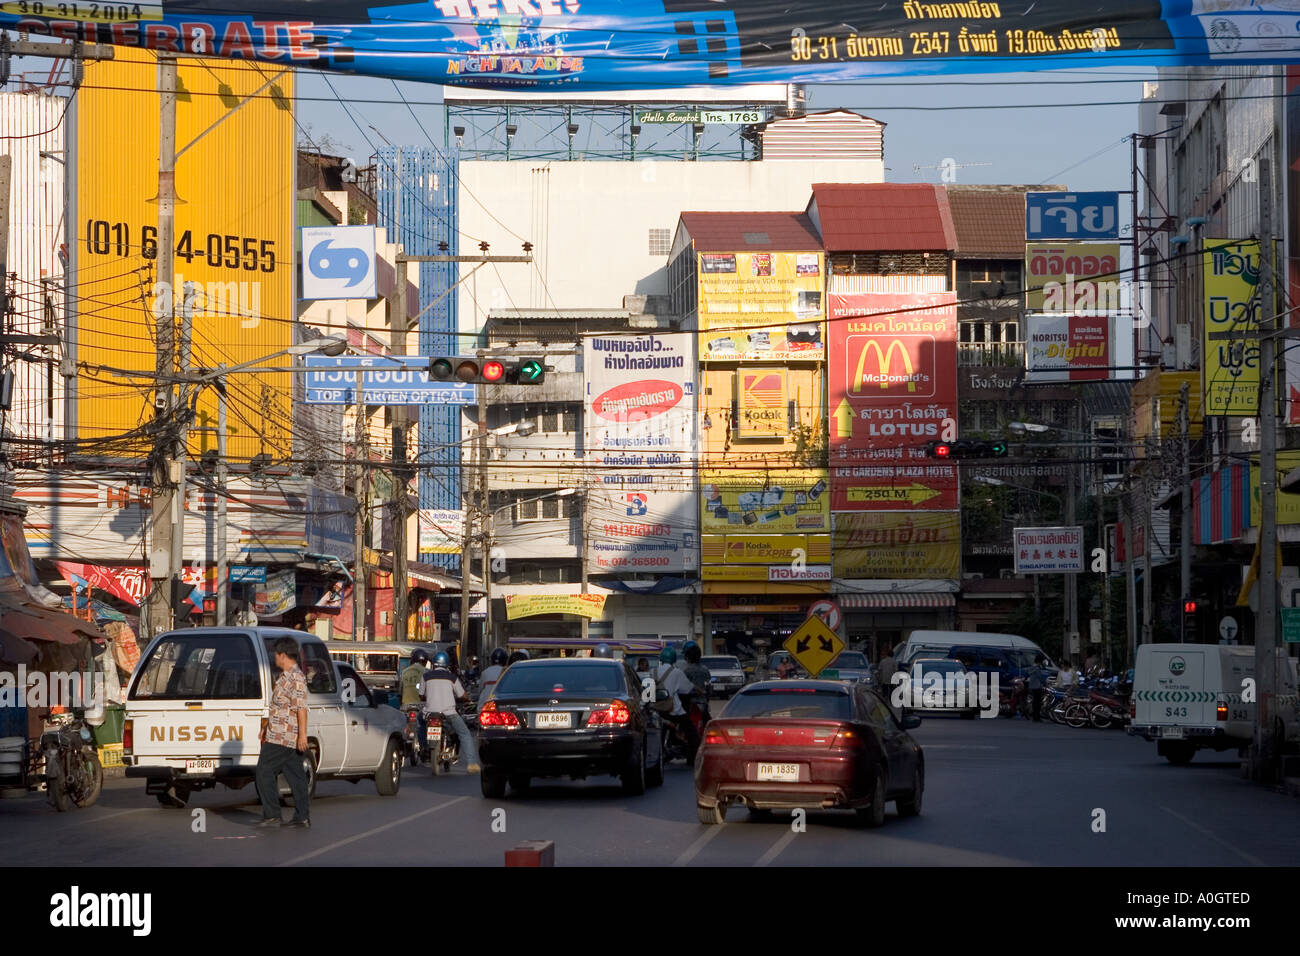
[(1036, 699), (273, 761), (687, 729)]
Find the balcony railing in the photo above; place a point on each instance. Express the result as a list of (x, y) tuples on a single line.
[(990, 353)]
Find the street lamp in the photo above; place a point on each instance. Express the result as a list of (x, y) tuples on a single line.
[(986, 480)]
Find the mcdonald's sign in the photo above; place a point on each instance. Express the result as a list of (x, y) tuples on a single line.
[(901, 365), (891, 386)]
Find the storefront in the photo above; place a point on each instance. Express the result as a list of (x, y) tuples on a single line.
[(880, 620), (552, 622), (754, 625)]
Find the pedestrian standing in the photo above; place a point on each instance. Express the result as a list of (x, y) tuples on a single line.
[(1034, 684), (284, 741), (887, 667)]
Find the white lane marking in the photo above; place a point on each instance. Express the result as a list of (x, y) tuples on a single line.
[(959, 747), (693, 850), (1254, 860), (370, 833), (776, 849)]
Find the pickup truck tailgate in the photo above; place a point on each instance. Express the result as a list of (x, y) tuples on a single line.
[(173, 731)]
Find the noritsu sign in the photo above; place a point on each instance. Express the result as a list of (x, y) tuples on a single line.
[(1048, 550)]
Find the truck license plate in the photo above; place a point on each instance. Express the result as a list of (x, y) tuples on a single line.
[(561, 720), (1173, 733), (783, 772), (200, 766)]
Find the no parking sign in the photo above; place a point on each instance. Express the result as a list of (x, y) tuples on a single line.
[(829, 612)]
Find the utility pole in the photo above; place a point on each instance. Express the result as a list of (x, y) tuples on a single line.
[(1266, 620), (401, 594), (1148, 596), (362, 491), (485, 516), (6, 166), (176, 569), (163, 500), (223, 569), (1128, 526), (1071, 580), (1185, 515), (583, 501)]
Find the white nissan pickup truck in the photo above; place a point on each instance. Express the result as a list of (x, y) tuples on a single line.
[(200, 697)]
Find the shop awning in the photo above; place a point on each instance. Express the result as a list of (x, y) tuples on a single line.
[(921, 599)]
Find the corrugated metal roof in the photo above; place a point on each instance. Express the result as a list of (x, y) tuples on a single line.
[(828, 135), (990, 224), (738, 231), (891, 283), (883, 217)]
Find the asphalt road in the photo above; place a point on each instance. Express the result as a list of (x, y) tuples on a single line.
[(998, 792)]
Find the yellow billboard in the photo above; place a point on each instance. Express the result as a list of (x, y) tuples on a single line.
[(1073, 276), (234, 244), (1231, 366), (893, 544), (775, 501), (756, 306)]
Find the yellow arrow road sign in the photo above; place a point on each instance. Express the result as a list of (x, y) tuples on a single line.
[(912, 494), (814, 645), (843, 419)]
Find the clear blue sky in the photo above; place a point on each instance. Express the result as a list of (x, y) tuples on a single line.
[(1029, 127)]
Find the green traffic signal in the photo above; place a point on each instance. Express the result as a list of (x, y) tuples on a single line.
[(530, 372)]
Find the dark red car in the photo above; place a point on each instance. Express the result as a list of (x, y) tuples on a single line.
[(813, 744)]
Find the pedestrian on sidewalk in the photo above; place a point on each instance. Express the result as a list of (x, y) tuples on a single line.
[(886, 669), (1034, 684), (284, 741)]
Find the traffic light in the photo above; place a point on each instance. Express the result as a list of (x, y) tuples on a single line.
[(966, 448), (487, 372)]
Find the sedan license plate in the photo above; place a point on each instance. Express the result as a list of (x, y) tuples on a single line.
[(783, 772), (200, 766), (562, 720), (1173, 733)]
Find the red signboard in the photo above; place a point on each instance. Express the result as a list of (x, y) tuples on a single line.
[(892, 387)]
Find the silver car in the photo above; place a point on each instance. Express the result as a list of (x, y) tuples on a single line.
[(849, 667), (726, 673)]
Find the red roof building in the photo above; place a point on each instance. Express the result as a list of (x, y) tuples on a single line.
[(882, 217)]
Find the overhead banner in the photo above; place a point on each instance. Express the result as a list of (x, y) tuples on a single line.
[(772, 501), (640, 528), (891, 386), (894, 545), (531, 605), (1231, 366), (234, 260), (1073, 277), (1068, 348), (761, 306), (600, 44)]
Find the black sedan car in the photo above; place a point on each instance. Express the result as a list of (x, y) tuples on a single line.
[(572, 717)]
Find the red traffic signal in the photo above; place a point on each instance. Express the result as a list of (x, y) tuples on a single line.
[(493, 371), (1189, 607)]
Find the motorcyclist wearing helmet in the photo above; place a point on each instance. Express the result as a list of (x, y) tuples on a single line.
[(699, 676), (441, 690), (603, 650), (679, 688), (411, 675), (496, 667), (517, 656)]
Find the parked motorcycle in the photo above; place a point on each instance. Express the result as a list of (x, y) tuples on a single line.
[(1014, 699), (73, 773), (1108, 708)]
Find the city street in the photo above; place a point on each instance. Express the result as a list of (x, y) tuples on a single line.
[(998, 793)]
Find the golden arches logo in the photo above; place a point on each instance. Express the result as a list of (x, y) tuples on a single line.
[(884, 362)]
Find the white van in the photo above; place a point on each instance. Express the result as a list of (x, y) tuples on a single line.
[(938, 643), (200, 696), (1188, 697)]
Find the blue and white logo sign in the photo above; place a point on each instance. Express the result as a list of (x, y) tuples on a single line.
[(1071, 216), (338, 262)]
